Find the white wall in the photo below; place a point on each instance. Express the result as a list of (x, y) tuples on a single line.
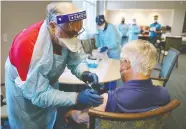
[(143, 16), (179, 9), (178, 21), (15, 16)]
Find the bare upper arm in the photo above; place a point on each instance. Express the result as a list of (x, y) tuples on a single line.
[(82, 116), (103, 106)]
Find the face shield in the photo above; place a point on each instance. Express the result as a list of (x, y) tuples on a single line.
[(71, 25), (73, 29)]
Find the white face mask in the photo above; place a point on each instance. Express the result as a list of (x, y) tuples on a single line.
[(101, 27), (155, 21), (73, 44), (133, 22)]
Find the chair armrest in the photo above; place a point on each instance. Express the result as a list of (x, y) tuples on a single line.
[(157, 69), (158, 66), (135, 116), (159, 79), (155, 73)]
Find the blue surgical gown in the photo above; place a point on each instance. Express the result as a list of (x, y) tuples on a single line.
[(32, 99), (111, 39), (40, 111), (123, 30), (133, 32)]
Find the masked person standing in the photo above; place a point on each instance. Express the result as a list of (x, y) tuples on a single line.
[(134, 31), (155, 30), (37, 57), (123, 29), (107, 38)]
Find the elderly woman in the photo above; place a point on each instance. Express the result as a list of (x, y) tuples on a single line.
[(137, 93)]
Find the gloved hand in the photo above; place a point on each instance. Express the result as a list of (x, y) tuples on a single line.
[(89, 97), (103, 49), (90, 77)]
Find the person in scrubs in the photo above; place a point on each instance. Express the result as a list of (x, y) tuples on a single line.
[(123, 29), (134, 30), (155, 30), (37, 58), (107, 38)]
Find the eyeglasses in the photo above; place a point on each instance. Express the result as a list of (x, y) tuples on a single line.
[(122, 60), (72, 33)]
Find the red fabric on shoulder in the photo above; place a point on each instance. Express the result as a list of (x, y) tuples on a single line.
[(20, 53)]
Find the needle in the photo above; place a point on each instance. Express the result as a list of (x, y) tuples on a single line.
[(90, 85)]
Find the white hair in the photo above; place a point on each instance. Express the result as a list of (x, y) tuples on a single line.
[(142, 56), (59, 8)]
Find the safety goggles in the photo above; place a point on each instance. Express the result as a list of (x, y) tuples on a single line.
[(69, 19), (72, 33)]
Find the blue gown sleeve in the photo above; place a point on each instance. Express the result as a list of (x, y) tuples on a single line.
[(76, 64), (98, 42), (137, 30), (38, 89), (120, 30), (113, 38)]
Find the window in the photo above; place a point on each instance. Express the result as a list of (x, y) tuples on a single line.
[(90, 7), (184, 24)]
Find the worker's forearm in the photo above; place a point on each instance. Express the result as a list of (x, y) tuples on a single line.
[(54, 98)]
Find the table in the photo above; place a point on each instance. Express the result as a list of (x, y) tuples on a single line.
[(107, 71), (184, 40), (143, 37)]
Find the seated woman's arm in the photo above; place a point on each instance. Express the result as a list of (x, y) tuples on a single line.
[(82, 116)]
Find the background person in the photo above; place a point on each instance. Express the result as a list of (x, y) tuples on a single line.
[(134, 31), (107, 38)]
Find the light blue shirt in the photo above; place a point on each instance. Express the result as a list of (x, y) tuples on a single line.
[(157, 26)]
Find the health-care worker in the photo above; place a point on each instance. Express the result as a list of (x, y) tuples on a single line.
[(123, 29), (107, 38), (37, 57), (134, 30), (155, 30)]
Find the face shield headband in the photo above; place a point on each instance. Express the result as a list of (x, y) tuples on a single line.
[(71, 17)]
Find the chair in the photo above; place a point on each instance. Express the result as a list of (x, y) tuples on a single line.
[(183, 45), (153, 119), (173, 42), (4, 114), (158, 46), (163, 72), (88, 45)]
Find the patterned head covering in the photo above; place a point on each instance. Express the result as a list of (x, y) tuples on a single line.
[(100, 19)]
